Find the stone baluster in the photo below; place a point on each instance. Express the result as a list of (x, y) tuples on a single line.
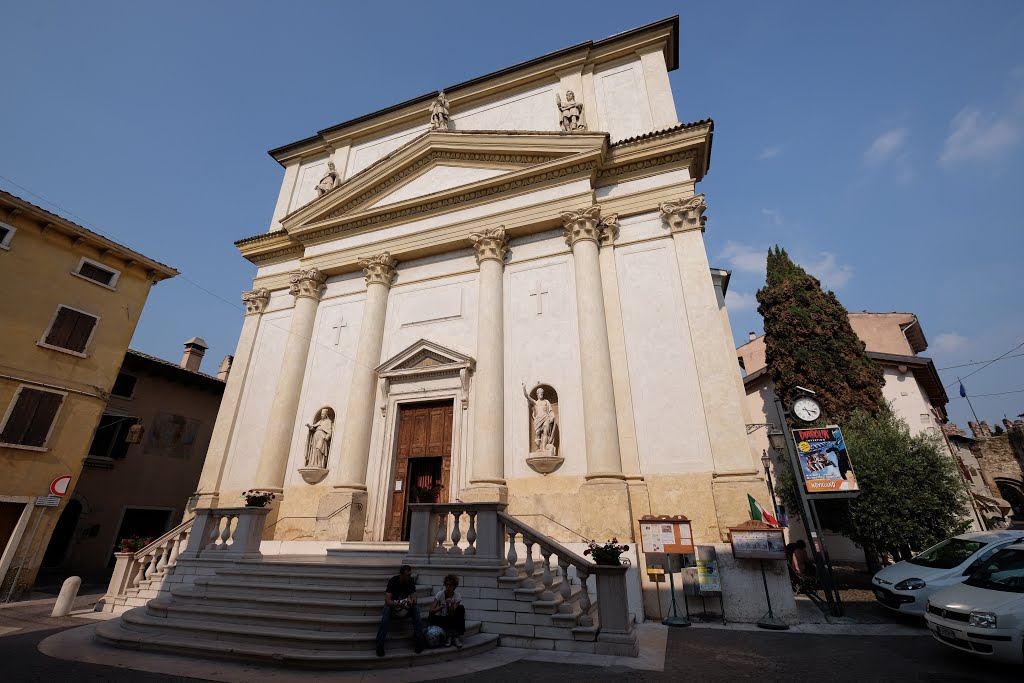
[(151, 558), (546, 578), (179, 541), (512, 557), (488, 464), (565, 589), (225, 533), (442, 532), (456, 534), (528, 565), (585, 618), (471, 534), (583, 230), (306, 286), (165, 555), (138, 571)]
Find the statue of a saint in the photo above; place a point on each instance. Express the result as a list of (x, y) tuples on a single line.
[(319, 443), (329, 181), (439, 118), (544, 422), (571, 112)]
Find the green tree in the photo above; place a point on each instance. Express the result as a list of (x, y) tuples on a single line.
[(910, 493), (809, 343)]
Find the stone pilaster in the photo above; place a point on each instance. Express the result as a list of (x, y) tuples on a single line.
[(487, 480), (355, 446), (208, 491), (735, 472), (306, 286), (583, 234)]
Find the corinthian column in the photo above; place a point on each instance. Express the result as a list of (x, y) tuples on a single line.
[(488, 467), (716, 364), (583, 233), (208, 492), (306, 286), (355, 445)]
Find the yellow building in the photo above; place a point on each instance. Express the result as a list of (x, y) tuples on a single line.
[(72, 299)]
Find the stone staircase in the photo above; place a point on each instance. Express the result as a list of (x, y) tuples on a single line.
[(207, 590), (310, 612)]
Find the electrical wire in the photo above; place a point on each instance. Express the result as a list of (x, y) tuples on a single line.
[(979, 362), (974, 372)]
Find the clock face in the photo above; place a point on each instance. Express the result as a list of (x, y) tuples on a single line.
[(806, 409)]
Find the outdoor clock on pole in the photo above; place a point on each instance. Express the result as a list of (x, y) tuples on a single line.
[(806, 409)]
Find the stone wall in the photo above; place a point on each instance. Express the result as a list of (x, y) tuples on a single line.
[(1001, 458)]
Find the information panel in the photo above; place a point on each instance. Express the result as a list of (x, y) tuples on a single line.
[(758, 544), (666, 535)]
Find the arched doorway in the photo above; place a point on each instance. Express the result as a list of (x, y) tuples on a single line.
[(63, 535), (1013, 493)]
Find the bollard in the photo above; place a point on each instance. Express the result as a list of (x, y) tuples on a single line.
[(68, 593)]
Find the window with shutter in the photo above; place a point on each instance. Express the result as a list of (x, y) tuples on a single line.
[(97, 272), (111, 436), (31, 417), (70, 330)]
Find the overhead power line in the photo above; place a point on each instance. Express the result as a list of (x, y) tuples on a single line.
[(979, 362), (974, 372)]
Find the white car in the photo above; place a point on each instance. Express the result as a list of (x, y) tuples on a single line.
[(984, 615), (907, 585)]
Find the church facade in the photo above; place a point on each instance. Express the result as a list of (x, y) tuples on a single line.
[(498, 292)]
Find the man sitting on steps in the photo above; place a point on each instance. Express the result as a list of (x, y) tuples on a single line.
[(400, 601)]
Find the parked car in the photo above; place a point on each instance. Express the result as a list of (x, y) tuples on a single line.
[(907, 585), (984, 615)]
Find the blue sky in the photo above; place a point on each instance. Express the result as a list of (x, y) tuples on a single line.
[(880, 143)]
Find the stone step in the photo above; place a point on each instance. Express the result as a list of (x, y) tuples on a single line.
[(303, 621), (273, 598), (284, 604), (313, 572), (284, 581), (398, 655), (259, 590), (258, 634)]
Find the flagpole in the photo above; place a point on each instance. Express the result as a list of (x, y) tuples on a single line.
[(963, 392)]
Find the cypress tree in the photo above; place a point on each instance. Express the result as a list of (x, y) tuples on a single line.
[(809, 342)]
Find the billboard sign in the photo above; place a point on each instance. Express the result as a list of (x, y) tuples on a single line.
[(824, 461)]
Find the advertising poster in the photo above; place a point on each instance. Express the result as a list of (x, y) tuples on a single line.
[(824, 461), (708, 578)]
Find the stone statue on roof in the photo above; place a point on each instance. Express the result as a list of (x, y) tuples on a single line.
[(439, 117), (330, 180), (571, 112)]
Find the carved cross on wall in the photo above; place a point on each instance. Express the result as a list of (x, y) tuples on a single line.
[(338, 326), (539, 293)]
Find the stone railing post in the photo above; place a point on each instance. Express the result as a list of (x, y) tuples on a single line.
[(421, 538), (247, 534), (612, 601), (202, 525), (118, 582)]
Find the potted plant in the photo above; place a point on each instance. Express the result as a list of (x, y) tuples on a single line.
[(133, 544), (255, 498), (606, 553)]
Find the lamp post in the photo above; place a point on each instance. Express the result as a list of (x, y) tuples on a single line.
[(767, 462)]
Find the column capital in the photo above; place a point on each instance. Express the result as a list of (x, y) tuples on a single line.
[(256, 300), (307, 282), (609, 230), (379, 269), (582, 225), (490, 244), (685, 214)]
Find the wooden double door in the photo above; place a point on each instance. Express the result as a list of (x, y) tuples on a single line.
[(423, 462)]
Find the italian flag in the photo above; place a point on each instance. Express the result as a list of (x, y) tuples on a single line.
[(759, 513)]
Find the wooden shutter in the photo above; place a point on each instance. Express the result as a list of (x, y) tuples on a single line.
[(30, 420), (71, 330)]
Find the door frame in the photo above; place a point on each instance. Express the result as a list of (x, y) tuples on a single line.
[(380, 499), (7, 558)]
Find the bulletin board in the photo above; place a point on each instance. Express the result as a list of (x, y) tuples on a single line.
[(666, 534)]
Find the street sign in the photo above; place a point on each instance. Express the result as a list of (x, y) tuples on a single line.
[(48, 501), (59, 486)]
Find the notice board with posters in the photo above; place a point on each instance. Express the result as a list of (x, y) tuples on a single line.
[(756, 540), (665, 534), (824, 461)]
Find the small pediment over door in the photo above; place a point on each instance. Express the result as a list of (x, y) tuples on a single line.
[(424, 357)]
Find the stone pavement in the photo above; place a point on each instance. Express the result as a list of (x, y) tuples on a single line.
[(36, 647)]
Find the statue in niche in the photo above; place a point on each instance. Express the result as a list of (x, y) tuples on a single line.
[(330, 180), (318, 445), (570, 113), (439, 117), (543, 403)]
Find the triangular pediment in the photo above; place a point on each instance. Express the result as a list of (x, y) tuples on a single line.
[(424, 357), (440, 167)]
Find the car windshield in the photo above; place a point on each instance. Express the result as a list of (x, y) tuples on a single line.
[(1004, 571), (948, 554)]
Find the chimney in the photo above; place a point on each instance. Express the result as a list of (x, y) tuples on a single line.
[(195, 348), (751, 336), (225, 368)]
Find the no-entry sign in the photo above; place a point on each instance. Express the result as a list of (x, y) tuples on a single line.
[(59, 486)]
